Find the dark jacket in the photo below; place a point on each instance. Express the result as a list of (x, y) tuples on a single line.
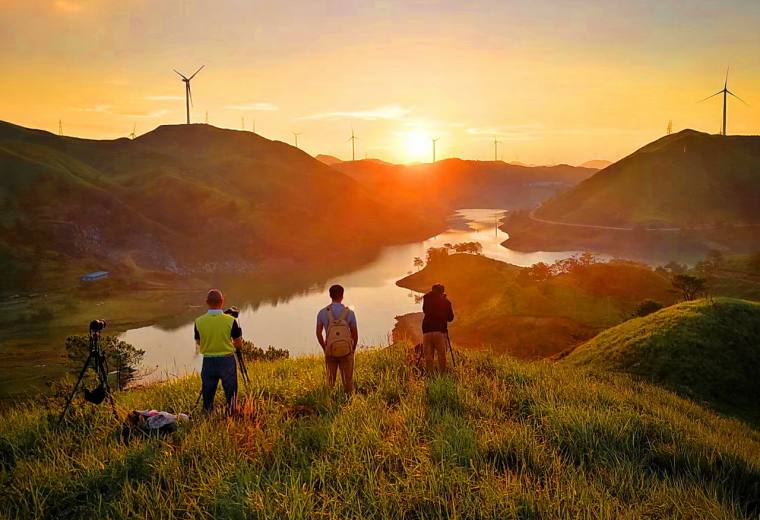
[(438, 313)]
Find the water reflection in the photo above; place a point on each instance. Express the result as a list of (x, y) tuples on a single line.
[(370, 291)]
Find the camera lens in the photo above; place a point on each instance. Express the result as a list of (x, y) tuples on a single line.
[(97, 325)]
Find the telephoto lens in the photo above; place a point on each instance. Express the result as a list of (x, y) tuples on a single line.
[(97, 325)]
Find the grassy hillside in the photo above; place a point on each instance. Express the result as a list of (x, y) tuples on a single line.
[(501, 439), (706, 349), (685, 179), (457, 183), (179, 199), (499, 306)]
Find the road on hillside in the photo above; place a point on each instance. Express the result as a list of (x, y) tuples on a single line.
[(593, 226)]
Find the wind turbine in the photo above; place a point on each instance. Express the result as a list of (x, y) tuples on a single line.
[(725, 93), (134, 130), (670, 127), (60, 127), (353, 139), (188, 93), (253, 127), (496, 149), (434, 141), (296, 134)]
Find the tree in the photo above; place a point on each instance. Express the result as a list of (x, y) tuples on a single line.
[(646, 308), (419, 263), (690, 287), (475, 248), (675, 268), (436, 253), (539, 272)]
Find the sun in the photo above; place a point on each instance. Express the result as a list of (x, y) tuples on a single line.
[(417, 145)]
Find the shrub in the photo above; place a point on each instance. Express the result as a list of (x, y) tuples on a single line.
[(646, 308), (253, 353), (120, 355)]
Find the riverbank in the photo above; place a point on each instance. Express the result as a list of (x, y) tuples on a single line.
[(652, 246)]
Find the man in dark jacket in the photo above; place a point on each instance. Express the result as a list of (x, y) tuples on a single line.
[(438, 314)]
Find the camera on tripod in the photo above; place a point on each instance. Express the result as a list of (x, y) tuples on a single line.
[(96, 359), (97, 325)]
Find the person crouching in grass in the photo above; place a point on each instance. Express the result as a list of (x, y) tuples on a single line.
[(217, 335)]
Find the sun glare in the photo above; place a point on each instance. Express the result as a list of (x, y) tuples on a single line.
[(417, 145)]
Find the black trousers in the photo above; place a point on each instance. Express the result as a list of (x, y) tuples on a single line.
[(213, 370)]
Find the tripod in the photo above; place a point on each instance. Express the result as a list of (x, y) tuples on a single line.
[(100, 365)]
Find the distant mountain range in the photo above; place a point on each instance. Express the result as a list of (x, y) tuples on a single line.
[(329, 160), (457, 183), (686, 179), (598, 164), (184, 198)]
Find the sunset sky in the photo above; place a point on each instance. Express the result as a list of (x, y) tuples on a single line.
[(554, 81)]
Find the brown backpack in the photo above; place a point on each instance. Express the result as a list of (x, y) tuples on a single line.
[(339, 342)]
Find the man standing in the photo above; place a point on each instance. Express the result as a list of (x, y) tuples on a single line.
[(218, 335), (338, 323), (435, 331)]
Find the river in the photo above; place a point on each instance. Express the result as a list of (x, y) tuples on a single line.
[(371, 291)]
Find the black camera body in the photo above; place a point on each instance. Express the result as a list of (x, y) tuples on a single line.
[(233, 311), (97, 325)]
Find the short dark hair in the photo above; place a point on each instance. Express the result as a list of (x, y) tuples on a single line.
[(336, 292), (439, 288), (214, 297)]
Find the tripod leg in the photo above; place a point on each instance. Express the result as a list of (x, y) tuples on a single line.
[(74, 390), (103, 376), (451, 349)]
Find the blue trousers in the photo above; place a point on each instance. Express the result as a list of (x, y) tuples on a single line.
[(214, 369)]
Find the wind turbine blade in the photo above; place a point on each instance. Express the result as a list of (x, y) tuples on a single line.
[(180, 74), (196, 72), (190, 93), (737, 97), (708, 97), (725, 85)]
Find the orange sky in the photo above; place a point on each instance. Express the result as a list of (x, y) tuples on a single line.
[(554, 81)]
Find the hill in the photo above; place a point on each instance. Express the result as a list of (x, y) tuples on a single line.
[(180, 199), (501, 439), (707, 350), (329, 160), (688, 179), (457, 183), (598, 164), (529, 312)]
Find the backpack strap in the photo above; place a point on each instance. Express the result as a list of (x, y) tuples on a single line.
[(330, 315), (346, 310)]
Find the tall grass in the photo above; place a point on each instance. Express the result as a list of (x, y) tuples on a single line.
[(498, 439)]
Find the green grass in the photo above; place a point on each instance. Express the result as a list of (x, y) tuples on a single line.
[(499, 439), (706, 349)]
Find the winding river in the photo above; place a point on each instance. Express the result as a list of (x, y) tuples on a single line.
[(371, 291)]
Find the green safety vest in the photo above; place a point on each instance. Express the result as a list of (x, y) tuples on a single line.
[(215, 331)]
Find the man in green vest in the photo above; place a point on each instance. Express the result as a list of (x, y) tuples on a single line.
[(217, 335)]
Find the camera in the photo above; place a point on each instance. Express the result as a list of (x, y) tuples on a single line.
[(97, 325), (233, 311)]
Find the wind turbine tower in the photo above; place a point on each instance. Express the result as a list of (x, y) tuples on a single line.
[(188, 93), (725, 93), (434, 141), (496, 149), (253, 126), (353, 139), (670, 127), (134, 131), (60, 127), (296, 134)]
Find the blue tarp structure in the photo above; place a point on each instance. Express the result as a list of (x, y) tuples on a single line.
[(96, 275)]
